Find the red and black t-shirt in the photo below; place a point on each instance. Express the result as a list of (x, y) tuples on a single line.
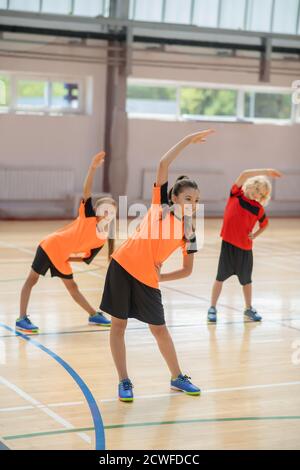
[(241, 215)]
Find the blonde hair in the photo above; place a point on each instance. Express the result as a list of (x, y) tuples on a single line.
[(260, 185), (112, 225)]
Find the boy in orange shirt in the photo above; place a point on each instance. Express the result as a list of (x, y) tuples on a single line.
[(85, 234)]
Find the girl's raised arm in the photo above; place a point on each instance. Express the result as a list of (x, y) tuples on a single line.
[(172, 154), (97, 161)]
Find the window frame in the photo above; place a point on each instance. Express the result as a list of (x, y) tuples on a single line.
[(6, 109), (14, 108), (270, 91), (240, 103)]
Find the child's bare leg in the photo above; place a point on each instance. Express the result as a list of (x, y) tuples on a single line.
[(117, 346), (247, 291), (216, 291), (31, 280), (77, 296), (166, 347)]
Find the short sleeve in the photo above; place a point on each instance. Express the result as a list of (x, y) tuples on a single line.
[(86, 208), (262, 218), (91, 255), (236, 191), (160, 194)]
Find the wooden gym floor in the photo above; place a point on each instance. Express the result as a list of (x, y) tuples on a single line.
[(58, 389)]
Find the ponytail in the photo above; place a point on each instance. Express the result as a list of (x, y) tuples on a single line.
[(111, 238), (112, 224)]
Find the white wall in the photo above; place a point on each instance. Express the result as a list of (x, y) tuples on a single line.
[(232, 149), (54, 141), (235, 147), (70, 141)]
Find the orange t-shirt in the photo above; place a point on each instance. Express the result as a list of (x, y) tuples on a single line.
[(80, 236), (158, 236)]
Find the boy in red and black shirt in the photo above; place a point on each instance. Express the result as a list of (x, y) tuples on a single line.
[(244, 209)]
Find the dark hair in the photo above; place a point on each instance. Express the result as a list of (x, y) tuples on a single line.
[(111, 241), (181, 183)]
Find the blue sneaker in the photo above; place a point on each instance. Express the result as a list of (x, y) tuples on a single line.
[(125, 390), (24, 324), (212, 315), (99, 319), (183, 384), (252, 314)]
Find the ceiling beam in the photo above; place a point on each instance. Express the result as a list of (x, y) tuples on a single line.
[(148, 32)]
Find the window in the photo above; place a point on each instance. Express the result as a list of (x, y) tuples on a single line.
[(206, 13), (64, 7), (147, 11), (57, 6), (4, 92), (91, 7), (36, 95), (151, 100), (232, 14), (178, 11), (268, 105), (31, 94), (24, 5), (210, 102), (207, 102), (64, 95), (285, 16), (259, 15), (255, 15)]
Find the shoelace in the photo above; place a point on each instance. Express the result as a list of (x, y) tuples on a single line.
[(27, 319), (127, 385), (253, 310), (185, 378)]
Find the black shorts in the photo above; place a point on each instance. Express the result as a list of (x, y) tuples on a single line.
[(234, 260), (42, 263), (125, 297)]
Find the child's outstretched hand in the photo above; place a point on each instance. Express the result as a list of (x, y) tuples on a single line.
[(274, 173), (98, 160), (200, 137)]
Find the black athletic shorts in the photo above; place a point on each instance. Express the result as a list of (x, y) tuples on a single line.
[(125, 297), (42, 263), (234, 260)]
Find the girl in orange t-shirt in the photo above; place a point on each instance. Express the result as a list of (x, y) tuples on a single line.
[(131, 285), (86, 235)]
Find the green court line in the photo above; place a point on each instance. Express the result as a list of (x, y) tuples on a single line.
[(150, 423)]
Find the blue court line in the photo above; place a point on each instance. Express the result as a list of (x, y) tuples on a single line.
[(3, 446), (97, 419)]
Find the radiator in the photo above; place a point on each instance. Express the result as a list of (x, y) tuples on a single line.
[(36, 184)]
